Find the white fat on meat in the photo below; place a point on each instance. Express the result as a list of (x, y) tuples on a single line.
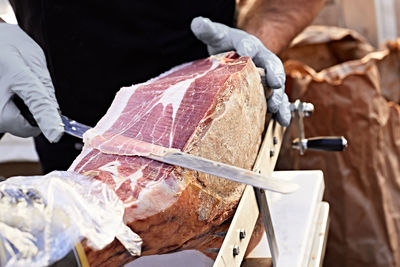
[(175, 93), (122, 98), (85, 151), (155, 197), (172, 96)]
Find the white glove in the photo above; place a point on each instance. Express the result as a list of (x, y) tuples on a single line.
[(221, 38), (23, 71)]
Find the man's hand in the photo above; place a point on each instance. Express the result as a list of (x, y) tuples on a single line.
[(221, 38), (276, 22), (23, 71)]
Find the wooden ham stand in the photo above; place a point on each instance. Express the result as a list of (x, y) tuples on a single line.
[(253, 200)]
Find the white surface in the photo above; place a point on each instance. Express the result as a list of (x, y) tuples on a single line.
[(14, 148), (294, 217), (188, 258), (386, 20), (6, 12)]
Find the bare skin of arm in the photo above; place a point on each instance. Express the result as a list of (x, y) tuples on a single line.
[(277, 22)]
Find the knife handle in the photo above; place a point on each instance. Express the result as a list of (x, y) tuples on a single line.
[(324, 143), (25, 112), (328, 143)]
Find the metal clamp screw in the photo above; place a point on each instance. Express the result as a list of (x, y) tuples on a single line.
[(236, 250), (242, 234), (274, 140)]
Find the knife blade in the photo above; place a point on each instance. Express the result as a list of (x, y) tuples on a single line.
[(188, 161), (226, 171), (73, 127), (185, 160)]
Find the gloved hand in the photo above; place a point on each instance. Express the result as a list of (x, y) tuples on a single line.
[(23, 71), (221, 38)]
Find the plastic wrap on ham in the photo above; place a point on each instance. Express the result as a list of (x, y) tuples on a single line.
[(42, 217), (214, 108)]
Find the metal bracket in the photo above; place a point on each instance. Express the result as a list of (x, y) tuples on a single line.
[(299, 111), (268, 226), (325, 143)]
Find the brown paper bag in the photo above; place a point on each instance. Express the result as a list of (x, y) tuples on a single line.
[(321, 47), (389, 70), (363, 182)]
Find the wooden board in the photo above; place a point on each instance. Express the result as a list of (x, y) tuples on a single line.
[(320, 236), (247, 212), (377, 20), (385, 11), (243, 221)]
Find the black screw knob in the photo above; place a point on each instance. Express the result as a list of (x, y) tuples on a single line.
[(274, 140), (242, 234), (236, 250)]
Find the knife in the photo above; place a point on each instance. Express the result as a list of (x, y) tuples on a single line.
[(182, 159), (71, 127), (322, 143)]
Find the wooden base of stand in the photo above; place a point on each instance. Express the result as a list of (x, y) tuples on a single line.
[(235, 245), (301, 217)]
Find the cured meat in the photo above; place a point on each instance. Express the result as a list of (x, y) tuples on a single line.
[(214, 108)]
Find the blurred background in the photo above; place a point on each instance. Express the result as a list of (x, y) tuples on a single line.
[(376, 20), (348, 65)]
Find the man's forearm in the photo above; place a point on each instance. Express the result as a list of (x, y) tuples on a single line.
[(277, 22)]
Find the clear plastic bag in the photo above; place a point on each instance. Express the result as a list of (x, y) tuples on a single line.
[(42, 218)]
